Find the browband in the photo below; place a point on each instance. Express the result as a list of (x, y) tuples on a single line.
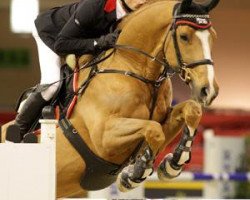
[(194, 25), (195, 21)]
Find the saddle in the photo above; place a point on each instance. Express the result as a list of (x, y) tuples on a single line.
[(64, 95)]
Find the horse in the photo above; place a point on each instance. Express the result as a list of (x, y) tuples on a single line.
[(124, 114)]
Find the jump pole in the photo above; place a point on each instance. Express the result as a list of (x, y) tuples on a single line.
[(27, 171)]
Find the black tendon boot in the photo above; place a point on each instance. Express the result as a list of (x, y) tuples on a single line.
[(29, 112)]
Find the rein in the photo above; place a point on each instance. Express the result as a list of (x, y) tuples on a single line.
[(168, 70)]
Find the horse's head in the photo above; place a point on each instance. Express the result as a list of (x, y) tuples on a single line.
[(191, 39), (183, 32)]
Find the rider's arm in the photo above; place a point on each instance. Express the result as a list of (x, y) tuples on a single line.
[(72, 38)]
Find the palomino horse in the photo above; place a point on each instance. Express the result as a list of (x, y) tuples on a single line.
[(124, 114)]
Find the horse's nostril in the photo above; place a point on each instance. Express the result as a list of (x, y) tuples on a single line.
[(204, 91)]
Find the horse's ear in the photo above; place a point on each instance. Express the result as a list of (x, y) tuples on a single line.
[(210, 5), (185, 4)]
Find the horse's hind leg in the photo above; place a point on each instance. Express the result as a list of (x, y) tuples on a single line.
[(187, 114)]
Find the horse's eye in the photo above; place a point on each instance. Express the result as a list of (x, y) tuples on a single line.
[(184, 37)]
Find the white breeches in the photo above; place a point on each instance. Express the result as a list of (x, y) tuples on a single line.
[(50, 64)]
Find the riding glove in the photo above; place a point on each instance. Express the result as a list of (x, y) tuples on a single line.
[(107, 41)]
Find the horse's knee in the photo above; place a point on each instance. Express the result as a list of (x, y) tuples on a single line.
[(194, 107), (193, 113), (154, 135)]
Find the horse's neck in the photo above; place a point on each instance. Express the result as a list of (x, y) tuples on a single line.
[(140, 32)]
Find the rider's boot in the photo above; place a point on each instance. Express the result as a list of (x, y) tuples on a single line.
[(30, 112)]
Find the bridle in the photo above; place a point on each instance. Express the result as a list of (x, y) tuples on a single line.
[(182, 20), (168, 70), (181, 63)]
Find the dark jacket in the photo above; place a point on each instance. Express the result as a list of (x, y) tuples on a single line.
[(73, 28)]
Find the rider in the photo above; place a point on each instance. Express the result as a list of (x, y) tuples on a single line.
[(79, 28)]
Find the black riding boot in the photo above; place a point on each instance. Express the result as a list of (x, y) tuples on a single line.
[(29, 112)]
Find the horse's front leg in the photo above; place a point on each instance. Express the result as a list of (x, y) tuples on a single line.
[(122, 134), (187, 114), (137, 171)]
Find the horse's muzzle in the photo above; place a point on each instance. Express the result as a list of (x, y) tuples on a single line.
[(207, 95)]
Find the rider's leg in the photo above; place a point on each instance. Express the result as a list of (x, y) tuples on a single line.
[(50, 64), (50, 72), (29, 112)]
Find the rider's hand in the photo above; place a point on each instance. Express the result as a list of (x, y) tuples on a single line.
[(107, 41)]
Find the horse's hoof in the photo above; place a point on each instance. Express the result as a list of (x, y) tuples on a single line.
[(123, 182), (127, 180), (166, 171)]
